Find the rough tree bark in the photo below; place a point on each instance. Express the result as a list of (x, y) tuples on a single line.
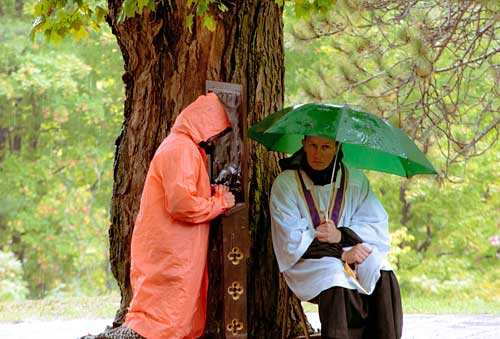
[(166, 66)]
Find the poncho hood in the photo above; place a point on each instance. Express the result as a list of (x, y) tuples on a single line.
[(202, 119)]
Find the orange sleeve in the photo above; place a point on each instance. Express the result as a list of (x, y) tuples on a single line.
[(181, 172)]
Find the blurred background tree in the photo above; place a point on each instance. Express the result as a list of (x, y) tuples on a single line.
[(429, 67), (60, 112)]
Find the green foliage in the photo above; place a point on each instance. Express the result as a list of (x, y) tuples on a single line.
[(61, 110), (307, 8), (57, 18), (12, 285), (132, 7), (445, 248), (60, 308)]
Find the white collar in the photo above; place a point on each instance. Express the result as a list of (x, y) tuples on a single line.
[(309, 183)]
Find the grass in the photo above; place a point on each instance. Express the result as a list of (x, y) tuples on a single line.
[(66, 308), (106, 306), (428, 305)]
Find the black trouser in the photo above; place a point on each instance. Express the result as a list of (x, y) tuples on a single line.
[(347, 314)]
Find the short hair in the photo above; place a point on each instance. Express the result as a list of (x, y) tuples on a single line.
[(308, 135)]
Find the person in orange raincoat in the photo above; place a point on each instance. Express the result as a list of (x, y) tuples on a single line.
[(168, 273)]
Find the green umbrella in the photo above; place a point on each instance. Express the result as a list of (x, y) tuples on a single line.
[(368, 142)]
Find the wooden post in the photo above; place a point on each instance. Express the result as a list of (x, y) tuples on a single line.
[(228, 166), (235, 248)]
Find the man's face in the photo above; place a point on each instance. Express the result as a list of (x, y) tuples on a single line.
[(319, 151)]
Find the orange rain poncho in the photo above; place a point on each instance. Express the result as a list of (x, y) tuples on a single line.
[(168, 271)]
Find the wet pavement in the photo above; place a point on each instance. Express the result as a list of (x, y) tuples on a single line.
[(416, 326), (450, 326)]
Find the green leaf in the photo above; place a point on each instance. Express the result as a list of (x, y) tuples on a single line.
[(38, 9), (210, 22), (77, 24), (303, 9), (100, 14), (189, 22), (326, 5), (151, 5), (130, 7), (80, 34), (55, 37), (202, 8), (222, 7), (47, 33)]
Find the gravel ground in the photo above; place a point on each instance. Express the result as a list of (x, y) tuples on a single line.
[(416, 326)]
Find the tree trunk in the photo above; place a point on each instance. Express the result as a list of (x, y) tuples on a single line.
[(19, 7), (36, 121), (166, 66)]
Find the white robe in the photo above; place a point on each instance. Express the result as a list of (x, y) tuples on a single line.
[(293, 232)]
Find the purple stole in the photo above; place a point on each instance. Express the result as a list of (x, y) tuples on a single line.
[(336, 203)]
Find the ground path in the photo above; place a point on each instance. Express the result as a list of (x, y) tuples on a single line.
[(416, 326)]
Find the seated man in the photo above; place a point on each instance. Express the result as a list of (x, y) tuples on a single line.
[(322, 227)]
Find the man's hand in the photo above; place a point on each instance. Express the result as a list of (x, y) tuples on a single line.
[(356, 255), (224, 190), (328, 232)]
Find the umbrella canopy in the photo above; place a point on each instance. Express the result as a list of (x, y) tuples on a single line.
[(368, 142)]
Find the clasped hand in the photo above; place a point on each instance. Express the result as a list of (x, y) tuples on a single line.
[(356, 255), (328, 232)]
